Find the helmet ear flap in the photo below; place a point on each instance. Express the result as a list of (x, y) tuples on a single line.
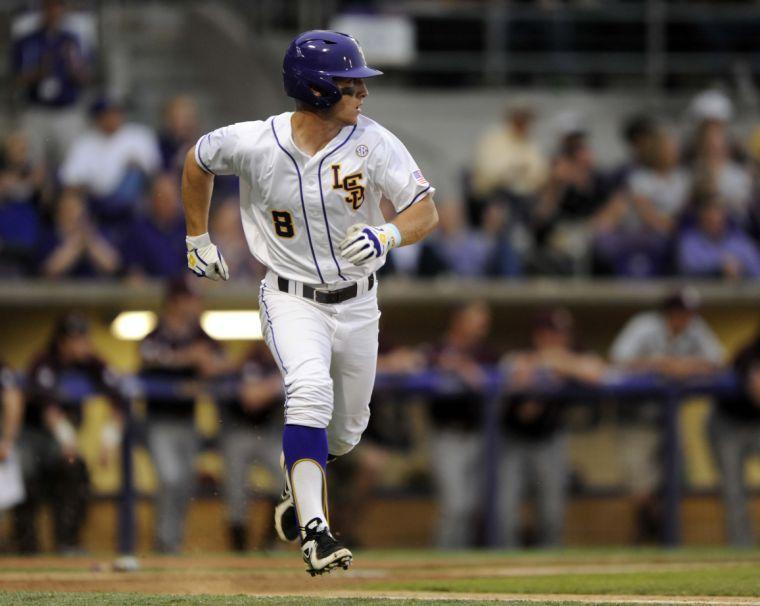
[(329, 93)]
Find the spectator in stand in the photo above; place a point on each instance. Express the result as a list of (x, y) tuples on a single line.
[(734, 431), (507, 158), (535, 443), (455, 248), (73, 246), (179, 132), (634, 231), (714, 248), (715, 170), (753, 224), (59, 382), (251, 432), (178, 352), (567, 207), (110, 163), (674, 343), (156, 242), (509, 165), (227, 230), (637, 133), (713, 108), (21, 187), (50, 69), (456, 419)]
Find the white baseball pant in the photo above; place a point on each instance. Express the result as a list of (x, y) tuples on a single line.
[(327, 354)]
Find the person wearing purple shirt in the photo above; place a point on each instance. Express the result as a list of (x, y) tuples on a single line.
[(712, 247), (158, 236), (50, 70)]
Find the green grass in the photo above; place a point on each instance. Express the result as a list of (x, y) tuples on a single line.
[(738, 580), (707, 572), (126, 599)]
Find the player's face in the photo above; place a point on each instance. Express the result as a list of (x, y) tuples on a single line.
[(354, 91)]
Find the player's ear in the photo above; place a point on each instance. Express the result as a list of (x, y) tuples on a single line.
[(316, 91)]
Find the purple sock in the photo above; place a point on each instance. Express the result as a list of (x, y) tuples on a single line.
[(300, 442)]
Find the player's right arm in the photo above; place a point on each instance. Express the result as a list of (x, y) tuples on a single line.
[(203, 258), (197, 186)]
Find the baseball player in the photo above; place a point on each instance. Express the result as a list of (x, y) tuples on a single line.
[(311, 182)]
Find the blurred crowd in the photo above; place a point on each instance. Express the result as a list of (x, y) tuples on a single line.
[(432, 437), (680, 204), (85, 193)]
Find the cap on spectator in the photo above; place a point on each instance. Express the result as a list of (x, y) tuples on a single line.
[(712, 104), (556, 320), (568, 123), (685, 299), (71, 324), (103, 104)]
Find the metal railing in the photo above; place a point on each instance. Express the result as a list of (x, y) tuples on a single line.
[(629, 388)]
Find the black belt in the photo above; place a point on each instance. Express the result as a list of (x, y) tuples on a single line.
[(327, 296)]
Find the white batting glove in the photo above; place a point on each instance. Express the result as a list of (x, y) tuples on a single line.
[(364, 242), (204, 259)]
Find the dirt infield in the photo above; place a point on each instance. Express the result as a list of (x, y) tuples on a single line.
[(467, 577)]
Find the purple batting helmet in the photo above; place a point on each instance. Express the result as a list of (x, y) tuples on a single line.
[(314, 58)]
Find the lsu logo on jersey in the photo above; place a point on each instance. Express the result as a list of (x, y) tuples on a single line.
[(351, 184)]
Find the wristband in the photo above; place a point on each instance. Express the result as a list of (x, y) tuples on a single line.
[(197, 241), (394, 235)]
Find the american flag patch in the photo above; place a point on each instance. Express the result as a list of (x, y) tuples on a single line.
[(419, 178)]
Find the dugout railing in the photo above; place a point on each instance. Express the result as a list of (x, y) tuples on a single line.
[(628, 389)]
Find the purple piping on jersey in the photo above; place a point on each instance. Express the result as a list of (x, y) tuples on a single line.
[(271, 326), (322, 197), (274, 341), (303, 204), (417, 197), (203, 164)]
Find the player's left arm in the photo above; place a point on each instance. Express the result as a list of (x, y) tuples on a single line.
[(417, 221), (365, 242)]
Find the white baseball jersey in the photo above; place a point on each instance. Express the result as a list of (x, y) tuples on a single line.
[(297, 208)]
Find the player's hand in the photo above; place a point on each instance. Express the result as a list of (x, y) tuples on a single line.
[(204, 259), (364, 242)]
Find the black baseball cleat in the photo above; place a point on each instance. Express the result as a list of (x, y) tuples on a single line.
[(285, 519), (321, 551)]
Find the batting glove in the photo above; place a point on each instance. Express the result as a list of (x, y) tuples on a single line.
[(364, 242), (204, 259)]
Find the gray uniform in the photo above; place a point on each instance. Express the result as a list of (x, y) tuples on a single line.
[(646, 336)]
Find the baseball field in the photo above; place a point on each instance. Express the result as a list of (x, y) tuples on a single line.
[(693, 576)]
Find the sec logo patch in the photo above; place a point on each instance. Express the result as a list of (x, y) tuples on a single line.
[(362, 150)]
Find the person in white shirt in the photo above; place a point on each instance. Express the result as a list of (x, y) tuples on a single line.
[(311, 182), (676, 343), (111, 163)]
